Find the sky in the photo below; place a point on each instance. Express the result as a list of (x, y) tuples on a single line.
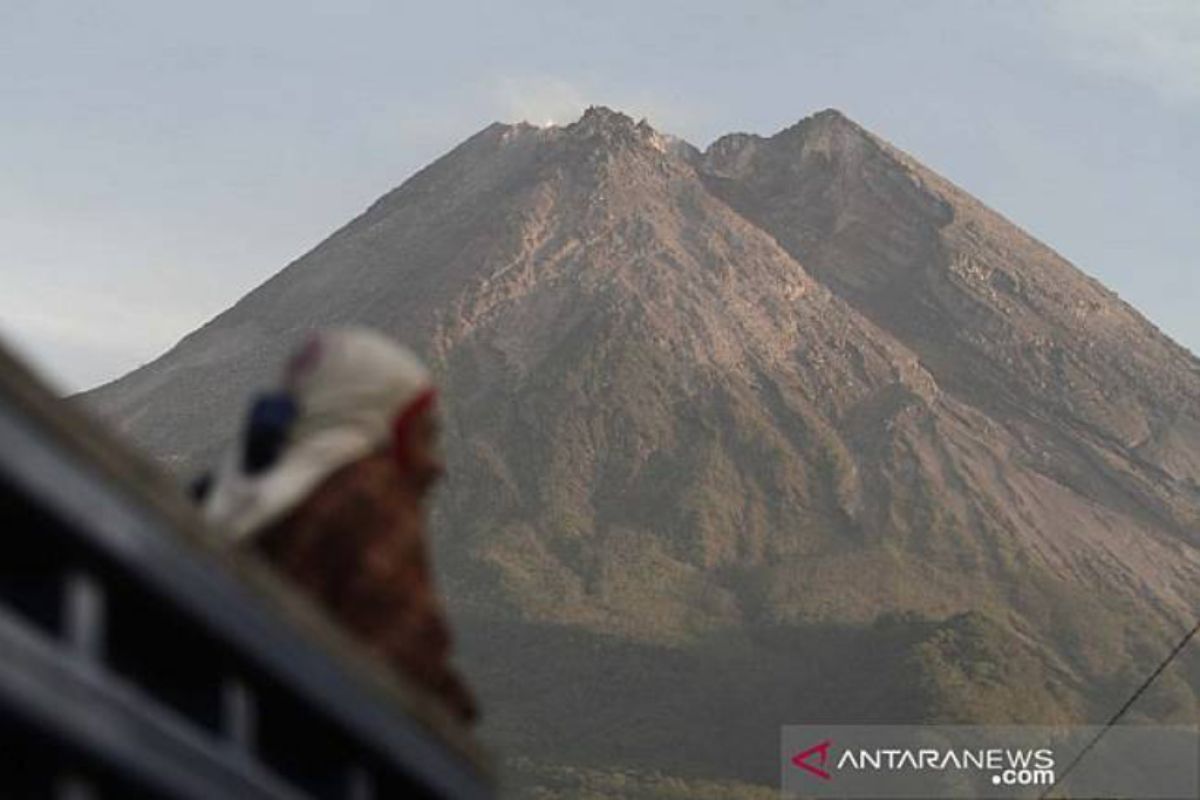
[(159, 159)]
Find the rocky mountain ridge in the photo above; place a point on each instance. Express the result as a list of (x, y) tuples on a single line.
[(724, 425)]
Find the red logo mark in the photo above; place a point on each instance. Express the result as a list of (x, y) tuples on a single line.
[(822, 752)]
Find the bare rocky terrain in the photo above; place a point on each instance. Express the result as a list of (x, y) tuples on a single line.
[(790, 429)]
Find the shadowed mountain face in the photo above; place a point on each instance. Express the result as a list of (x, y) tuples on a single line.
[(791, 429)]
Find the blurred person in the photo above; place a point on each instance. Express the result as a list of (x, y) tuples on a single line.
[(329, 482)]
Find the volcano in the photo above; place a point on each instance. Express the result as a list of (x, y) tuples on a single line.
[(791, 429)]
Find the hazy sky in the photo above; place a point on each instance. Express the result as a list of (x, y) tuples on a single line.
[(158, 159)]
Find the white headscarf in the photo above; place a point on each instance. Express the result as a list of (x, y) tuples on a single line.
[(349, 385)]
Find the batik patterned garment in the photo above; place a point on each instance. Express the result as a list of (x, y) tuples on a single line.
[(357, 546)]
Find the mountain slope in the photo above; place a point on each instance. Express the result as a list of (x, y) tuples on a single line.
[(997, 316), (727, 426)]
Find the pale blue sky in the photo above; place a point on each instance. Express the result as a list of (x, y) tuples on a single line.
[(158, 159)]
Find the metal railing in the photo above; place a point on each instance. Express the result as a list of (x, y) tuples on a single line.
[(137, 660)]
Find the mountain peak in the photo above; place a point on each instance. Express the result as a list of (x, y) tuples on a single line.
[(828, 129), (831, 115), (829, 119), (604, 127), (603, 116)]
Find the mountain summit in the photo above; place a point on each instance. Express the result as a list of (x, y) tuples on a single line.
[(790, 429)]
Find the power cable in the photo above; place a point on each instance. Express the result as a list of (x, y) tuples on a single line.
[(1121, 711)]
